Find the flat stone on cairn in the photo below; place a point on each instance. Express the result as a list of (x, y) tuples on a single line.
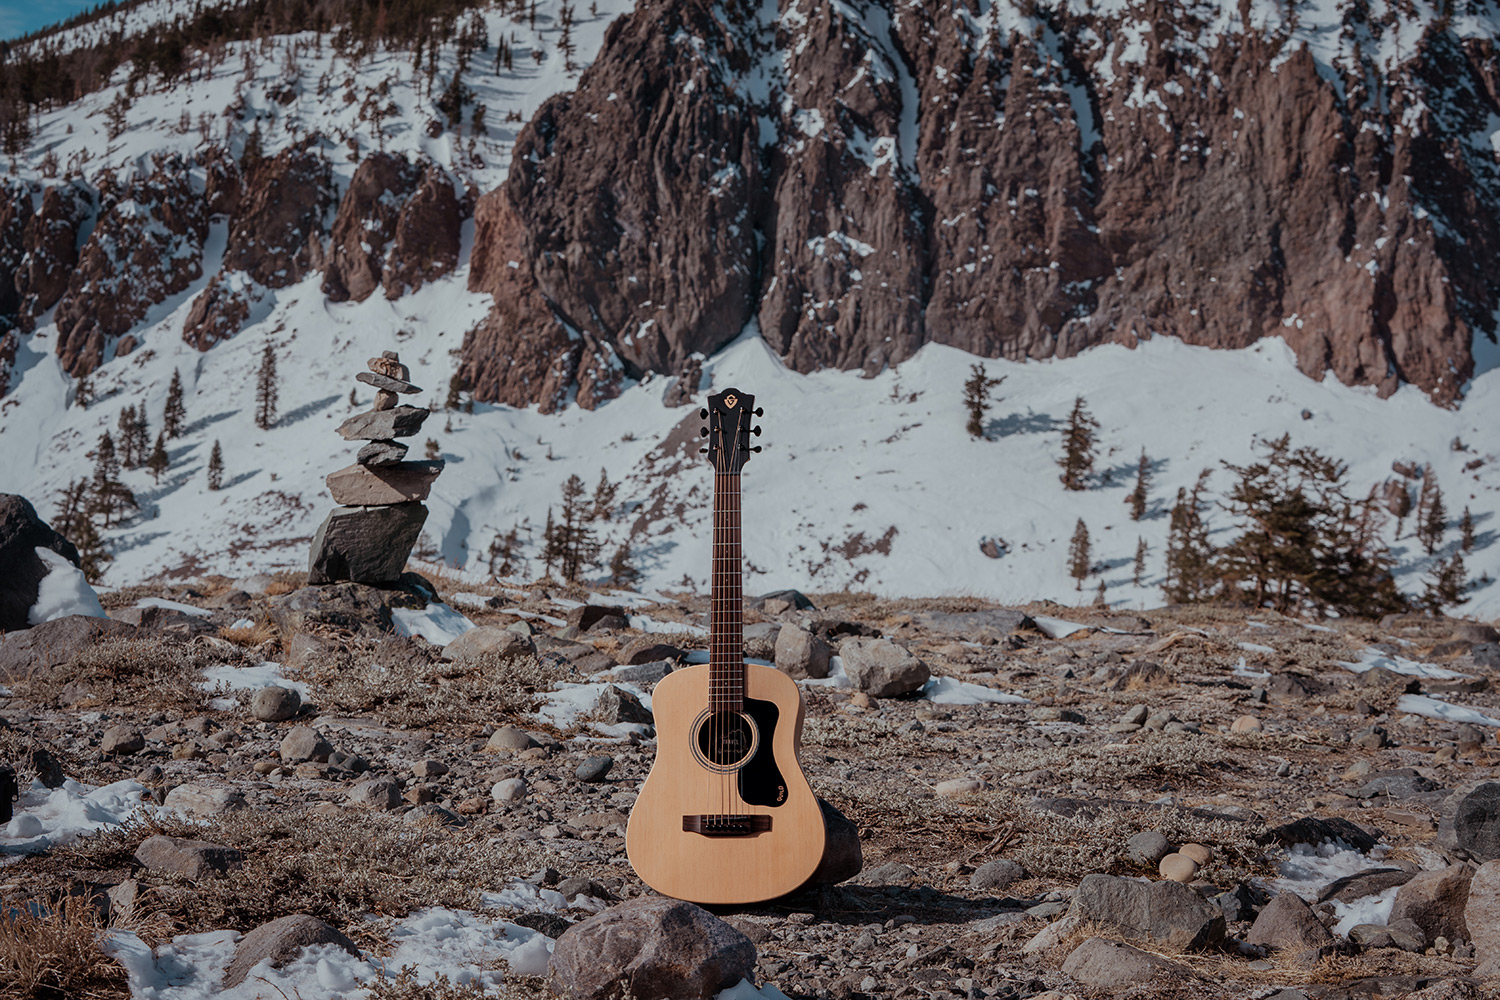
[(368, 537)]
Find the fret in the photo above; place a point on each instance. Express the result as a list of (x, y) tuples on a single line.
[(727, 631)]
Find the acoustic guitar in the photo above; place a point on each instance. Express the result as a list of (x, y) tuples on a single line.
[(726, 814)]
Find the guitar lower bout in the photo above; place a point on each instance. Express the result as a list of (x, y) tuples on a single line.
[(726, 815)]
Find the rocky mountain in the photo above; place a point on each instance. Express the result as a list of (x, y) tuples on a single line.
[(1017, 180)]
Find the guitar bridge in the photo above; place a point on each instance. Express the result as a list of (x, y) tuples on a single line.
[(726, 825)]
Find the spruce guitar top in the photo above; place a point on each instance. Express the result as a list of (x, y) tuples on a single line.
[(726, 814)]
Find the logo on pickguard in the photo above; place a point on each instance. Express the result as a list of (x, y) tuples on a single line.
[(731, 401), (780, 793)]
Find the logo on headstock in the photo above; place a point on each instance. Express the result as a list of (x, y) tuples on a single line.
[(731, 401)]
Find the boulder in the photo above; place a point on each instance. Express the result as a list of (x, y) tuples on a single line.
[(382, 793), (998, 875), (1147, 848), (616, 705), (274, 703), (794, 599), (22, 532), (55, 644), (382, 425), (1482, 917), (975, 626), (510, 739), (760, 640), (488, 640), (379, 453), (1288, 924), (1112, 965), (397, 482), (882, 669), (365, 544), (1362, 884), (1167, 916), (193, 858), (586, 616), (801, 654), (122, 741), (1471, 824), (1435, 901), (280, 941), (305, 743), (842, 855), (1313, 830), (651, 948), (648, 649), (204, 801)]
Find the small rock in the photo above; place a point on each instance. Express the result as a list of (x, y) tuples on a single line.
[(279, 941), (1147, 848), (594, 769), (1482, 916), (648, 649), (275, 703), (955, 787), (1178, 868), (429, 769), (488, 640), (378, 793), (616, 705), (510, 738), (305, 743), (1200, 853), (431, 812), (1435, 901), (204, 802), (1246, 724), (999, 875), (122, 741), (1287, 923), (801, 654), (193, 858), (509, 790), (1111, 965), (1167, 915), (882, 669)]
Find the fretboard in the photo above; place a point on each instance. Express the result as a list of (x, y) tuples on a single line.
[(726, 686)]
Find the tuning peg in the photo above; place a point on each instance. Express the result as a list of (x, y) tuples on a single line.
[(759, 412), (703, 451), (703, 413), (756, 449), (755, 430)]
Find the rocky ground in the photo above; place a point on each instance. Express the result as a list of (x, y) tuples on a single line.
[(1006, 846)]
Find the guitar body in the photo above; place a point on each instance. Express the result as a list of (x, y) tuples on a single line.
[(737, 777)]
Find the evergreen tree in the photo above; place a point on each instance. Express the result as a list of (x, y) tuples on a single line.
[(115, 113), (1398, 502), (432, 451), (93, 558), (604, 498), (108, 497), (1190, 554), (550, 547), (174, 415), (1140, 561), (72, 507), (353, 399), (622, 569), (1138, 496), (158, 460), (455, 392), (1466, 531), (504, 551), (83, 392), (1432, 515), (265, 389), (578, 546), (1078, 447), (1078, 554), (125, 424), (1446, 587), (215, 467), (1100, 600), (977, 398)]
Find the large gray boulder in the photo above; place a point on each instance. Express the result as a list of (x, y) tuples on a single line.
[(1482, 915), (280, 941), (1471, 823), (53, 645), (193, 858), (801, 654), (1435, 901), (1288, 924), (22, 532), (489, 640), (1167, 916), (882, 669), (653, 948), (365, 544)]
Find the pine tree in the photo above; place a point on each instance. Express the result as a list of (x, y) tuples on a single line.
[(115, 113), (504, 551), (1190, 554), (622, 569), (1433, 518), (977, 398), (265, 389), (604, 498), (1140, 561), (1446, 587), (93, 558), (1138, 496), (215, 467), (353, 399), (1466, 531), (578, 546), (431, 450), (1398, 502), (1078, 554), (108, 497), (455, 392), (158, 460), (1100, 600), (83, 392), (174, 415), (72, 505), (125, 424), (550, 544), (1078, 447)]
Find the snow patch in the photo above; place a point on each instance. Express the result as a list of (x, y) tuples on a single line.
[(437, 623), (62, 592)]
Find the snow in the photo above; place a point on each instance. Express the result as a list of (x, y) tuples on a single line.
[(437, 623), (564, 705), (51, 817), (162, 602), (263, 674), (1433, 708), (1309, 868), (948, 691), (1057, 628), (63, 591), (1370, 658), (1374, 909), (645, 623)]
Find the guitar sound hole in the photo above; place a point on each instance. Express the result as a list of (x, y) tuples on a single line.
[(725, 739)]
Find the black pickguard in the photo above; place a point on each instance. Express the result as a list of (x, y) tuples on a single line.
[(761, 783)]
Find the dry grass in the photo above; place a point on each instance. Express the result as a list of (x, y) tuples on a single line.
[(251, 635), (406, 985), (145, 673), (285, 581), (411, 691), (55, 954)]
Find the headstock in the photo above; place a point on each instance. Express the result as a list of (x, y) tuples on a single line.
[(728, 414)]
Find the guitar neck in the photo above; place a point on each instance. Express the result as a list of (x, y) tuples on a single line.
[(727, 631)]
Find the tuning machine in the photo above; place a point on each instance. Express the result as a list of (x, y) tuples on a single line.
[(756, 449), (703, 413), (755, 430), (760, 411)]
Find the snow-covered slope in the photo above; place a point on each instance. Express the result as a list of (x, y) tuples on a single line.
[(865, 483)]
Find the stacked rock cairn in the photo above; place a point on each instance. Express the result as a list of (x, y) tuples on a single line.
[(369, 536)]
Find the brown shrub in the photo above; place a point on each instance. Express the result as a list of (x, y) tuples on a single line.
[(55, 954)]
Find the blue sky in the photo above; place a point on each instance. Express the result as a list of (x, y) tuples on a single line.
[(17, 17)]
